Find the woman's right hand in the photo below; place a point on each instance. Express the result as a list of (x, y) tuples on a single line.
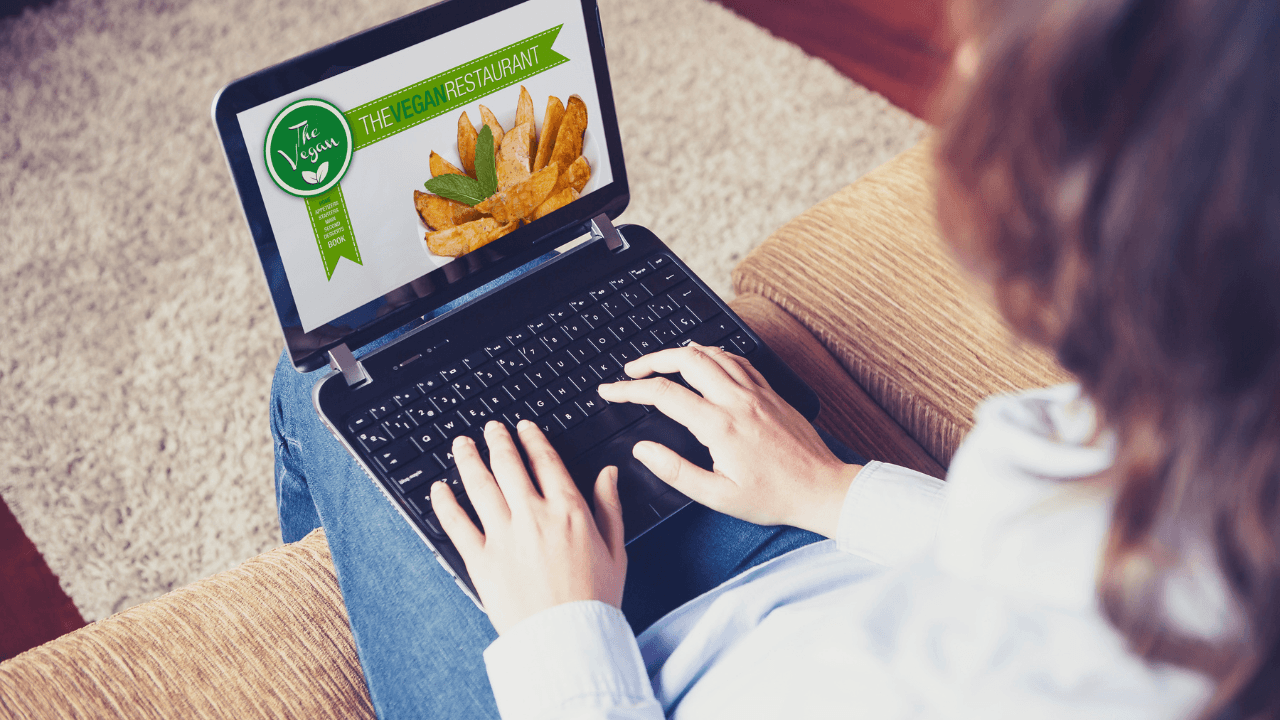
[(770, 467)]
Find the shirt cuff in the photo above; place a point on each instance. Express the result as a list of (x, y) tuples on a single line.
[(890, 513), (571, 658)]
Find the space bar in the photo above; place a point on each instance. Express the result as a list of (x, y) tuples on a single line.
[(596, 429)]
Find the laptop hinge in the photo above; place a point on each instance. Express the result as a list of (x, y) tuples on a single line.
[(602, 227), (340, 358)]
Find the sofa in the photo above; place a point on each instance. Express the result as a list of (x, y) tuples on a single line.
[(858, 295)]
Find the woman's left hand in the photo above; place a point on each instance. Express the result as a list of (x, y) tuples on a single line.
[(538, 549)]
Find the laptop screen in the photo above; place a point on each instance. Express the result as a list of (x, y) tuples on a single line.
[(389, 180)]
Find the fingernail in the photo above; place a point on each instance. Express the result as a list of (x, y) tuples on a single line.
[(463, 439), (492, 425), (642, 450), (613, 473), (524, 425)]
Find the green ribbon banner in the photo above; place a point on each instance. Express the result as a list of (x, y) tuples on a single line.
[(452, 89), (332, 227)]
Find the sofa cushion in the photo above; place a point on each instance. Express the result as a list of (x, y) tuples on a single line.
[(866, 272)]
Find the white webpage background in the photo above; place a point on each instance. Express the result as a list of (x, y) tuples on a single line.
[(378, 188)]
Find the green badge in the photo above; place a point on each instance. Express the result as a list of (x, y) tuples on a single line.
[(308, 147)]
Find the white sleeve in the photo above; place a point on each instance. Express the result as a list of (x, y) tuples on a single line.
[(890, 513), (578, 660)]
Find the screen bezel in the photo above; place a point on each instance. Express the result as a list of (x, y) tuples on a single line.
[(308, 351)]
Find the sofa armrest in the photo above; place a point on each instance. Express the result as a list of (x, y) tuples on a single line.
[(867, 273), (267, 639)]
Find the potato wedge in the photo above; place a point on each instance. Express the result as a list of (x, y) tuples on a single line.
[(550, 126), (440, 166), (436, 213), (524, 114), (504, 230), (467, 143), (576, 176), (464, 213), (555, 202), (520, 200), (488, 118), (513, 156), (462, 239), (569, 136)]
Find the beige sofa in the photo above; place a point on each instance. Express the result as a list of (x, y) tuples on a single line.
[(857, 294)]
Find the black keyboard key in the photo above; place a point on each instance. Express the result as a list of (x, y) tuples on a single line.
[(584, 378), (475, 413), (636, 295), (490, 375), (422, 413), (744, 343), (476, 359), (596, 318), (712, 331), (497, 347), (623, 328), (591, 404), (540, 374), (444, 456), (454, 371), (569, 415), (383, 409), (426, 437), (396, 455), (430, 383), (691, 297), (616, 306), (517, 413), (625, 354), (605, 366), (512, 363), (575, 327), (643, 318), (554, 340), (468, 387), (645, 344), (420, 501), (534, 351), (562, 362), (604, 425), (601, 292), (549, 426), (496, 398), (518, 387), (415, 474), (451, 426), (579, 303), (398, 425), (358, 421), (373, 438), (664, 333), (657, 262), (640, 271), (518, 335), (407, 396), (663, 279), (582, 351), (559, 314), (541, 325), (662, 306), (563, 390), (541, 403), (602, 340), (684, 321)]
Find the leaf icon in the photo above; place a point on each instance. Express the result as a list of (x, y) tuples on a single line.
[(322, 171), (310, 177)]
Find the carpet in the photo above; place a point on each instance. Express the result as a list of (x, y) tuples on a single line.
[(139, 337)]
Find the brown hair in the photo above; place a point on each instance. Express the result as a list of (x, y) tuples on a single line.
[(1113, 168)]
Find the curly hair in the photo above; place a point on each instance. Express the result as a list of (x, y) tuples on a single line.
[(1112, 168)]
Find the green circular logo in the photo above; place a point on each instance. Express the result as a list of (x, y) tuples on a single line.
[(308, 147)]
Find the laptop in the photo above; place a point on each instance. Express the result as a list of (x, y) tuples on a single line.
[(449, 179)]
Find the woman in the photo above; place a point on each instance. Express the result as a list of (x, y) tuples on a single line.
[(1102, 549)]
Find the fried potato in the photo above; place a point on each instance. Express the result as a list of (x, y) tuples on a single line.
[(462, 239), (440, 166), (495, 127), (524, 114), (513, 156), (467, 143), (436, 212), (555, 202), (576, 176), (550, 126), (519, 200), (464, 213), (569, 136)]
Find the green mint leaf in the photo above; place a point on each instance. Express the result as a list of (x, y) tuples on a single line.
[(486, 165), (458, 188)]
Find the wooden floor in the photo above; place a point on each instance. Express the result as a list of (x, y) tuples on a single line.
[(898, 48)]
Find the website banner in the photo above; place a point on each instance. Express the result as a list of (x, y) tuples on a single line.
[(381, 174)]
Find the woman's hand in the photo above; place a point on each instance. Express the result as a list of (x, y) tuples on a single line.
[(770, 466), (538, 549)]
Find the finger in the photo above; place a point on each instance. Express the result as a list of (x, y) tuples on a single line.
[(608, 510), (706, 487), (727, 361), (507, 467), (700, 371), (755, 374), (483, 490), (679, 403), (453, 519), (546, 463)]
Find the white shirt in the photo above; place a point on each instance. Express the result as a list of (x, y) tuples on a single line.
[(970, 599)]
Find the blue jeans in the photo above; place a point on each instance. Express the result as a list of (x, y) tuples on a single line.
[(418, 637)]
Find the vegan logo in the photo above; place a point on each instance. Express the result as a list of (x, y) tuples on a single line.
[(308, 147)]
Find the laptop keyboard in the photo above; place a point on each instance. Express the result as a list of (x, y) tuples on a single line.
[(545, 369)]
